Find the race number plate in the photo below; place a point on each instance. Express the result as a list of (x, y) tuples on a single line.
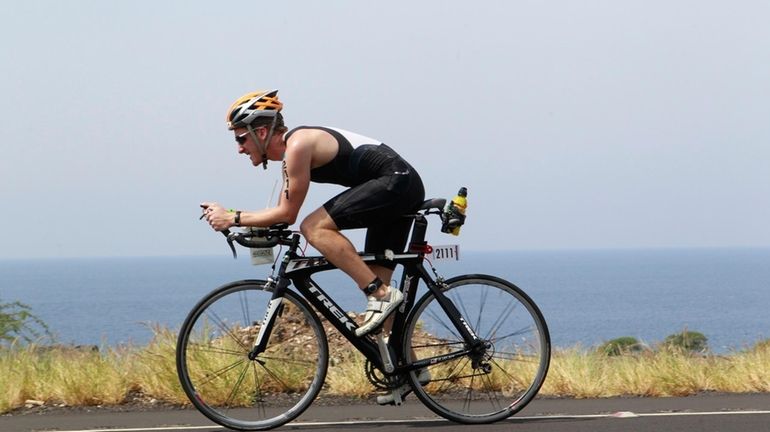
[(448, 252), (262, 256)]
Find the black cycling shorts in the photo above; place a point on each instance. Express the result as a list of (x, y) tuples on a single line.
[(380, 205)]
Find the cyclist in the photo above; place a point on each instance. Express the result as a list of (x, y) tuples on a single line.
[(382, 187)]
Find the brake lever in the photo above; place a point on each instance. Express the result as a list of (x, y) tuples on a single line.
[(226, 233)]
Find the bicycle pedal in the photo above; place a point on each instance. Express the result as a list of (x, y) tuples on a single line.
[(394, 398), (397, 399)]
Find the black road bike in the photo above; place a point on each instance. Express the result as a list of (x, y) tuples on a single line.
[(253, 354)]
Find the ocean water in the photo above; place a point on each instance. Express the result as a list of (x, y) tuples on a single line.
[(587, 296)]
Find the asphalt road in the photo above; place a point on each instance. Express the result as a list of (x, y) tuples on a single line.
[(702, 413)]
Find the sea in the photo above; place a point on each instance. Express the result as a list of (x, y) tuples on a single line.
[(586, 296)]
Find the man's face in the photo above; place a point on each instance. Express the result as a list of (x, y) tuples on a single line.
[(246, 144)]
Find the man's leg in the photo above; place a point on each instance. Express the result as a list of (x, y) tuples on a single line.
[(384, 273), (320, 231)]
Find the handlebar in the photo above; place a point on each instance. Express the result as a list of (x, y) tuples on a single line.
[(267, 237)]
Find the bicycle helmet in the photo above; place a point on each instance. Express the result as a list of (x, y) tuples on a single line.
[(249, 107)]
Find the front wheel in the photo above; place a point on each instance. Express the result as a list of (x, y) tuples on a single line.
[(502, 373), (247, 394)]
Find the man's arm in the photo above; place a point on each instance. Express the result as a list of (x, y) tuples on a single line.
[(296, 182)]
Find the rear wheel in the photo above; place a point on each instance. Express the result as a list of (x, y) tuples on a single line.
[(239, 393), (504, 371)]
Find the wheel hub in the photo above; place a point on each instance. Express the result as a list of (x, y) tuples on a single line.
[(481, 354)]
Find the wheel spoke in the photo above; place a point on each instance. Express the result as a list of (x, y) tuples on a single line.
[(444, 344), (459, 301), (234, 391), (273, 375), (245, 308), (469, 395), (288, 360), (525, 330), (225, 329), (520, 358), (492, 394), (482, 302), (504, 316), (275, 345), (450, 378), (211, 376), (440, 320), (259, 400), (216, 350), (502, 369)]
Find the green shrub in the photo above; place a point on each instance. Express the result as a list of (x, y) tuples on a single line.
[(620, 346), (688, 341), (19, 325)]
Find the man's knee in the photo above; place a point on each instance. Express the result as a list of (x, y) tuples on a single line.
[(308, 229), (315, 224)]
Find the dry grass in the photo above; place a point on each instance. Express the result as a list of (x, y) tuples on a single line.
[(62, 375), (110, 376), (586, 374)]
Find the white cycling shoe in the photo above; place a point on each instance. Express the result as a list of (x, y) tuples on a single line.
[(390, 399), (379, 309)]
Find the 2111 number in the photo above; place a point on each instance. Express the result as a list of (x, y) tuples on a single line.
[(448, 252)]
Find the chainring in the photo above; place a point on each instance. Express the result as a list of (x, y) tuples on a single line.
[(379, 380)]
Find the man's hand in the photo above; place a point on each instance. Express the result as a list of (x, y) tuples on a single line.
[(216, 215)]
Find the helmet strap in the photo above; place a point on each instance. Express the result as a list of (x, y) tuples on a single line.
[(265, 143)]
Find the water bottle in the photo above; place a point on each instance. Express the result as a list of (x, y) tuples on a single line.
[(454, 212)]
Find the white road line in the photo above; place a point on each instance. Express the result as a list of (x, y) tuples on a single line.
[(148, 429), (629, 414), (715, 413), (618, 415)]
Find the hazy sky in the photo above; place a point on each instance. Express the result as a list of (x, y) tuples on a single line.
[(581, 124)]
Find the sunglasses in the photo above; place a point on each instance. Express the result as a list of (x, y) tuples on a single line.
[(241, 139)]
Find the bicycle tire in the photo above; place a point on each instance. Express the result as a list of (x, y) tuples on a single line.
[(233, 391), (518, 354)]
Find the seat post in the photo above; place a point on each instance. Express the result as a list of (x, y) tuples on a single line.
[(417, 243)]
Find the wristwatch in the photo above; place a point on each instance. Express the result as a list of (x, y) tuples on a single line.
[(237, 218)]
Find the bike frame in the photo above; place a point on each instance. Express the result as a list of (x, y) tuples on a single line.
[(297, 270)]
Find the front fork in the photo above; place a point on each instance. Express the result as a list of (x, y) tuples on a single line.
[(274, 309)]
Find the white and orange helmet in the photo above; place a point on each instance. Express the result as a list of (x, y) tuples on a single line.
[(247, 108)]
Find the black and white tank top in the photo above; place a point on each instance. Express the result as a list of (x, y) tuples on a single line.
[(359, 159)]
